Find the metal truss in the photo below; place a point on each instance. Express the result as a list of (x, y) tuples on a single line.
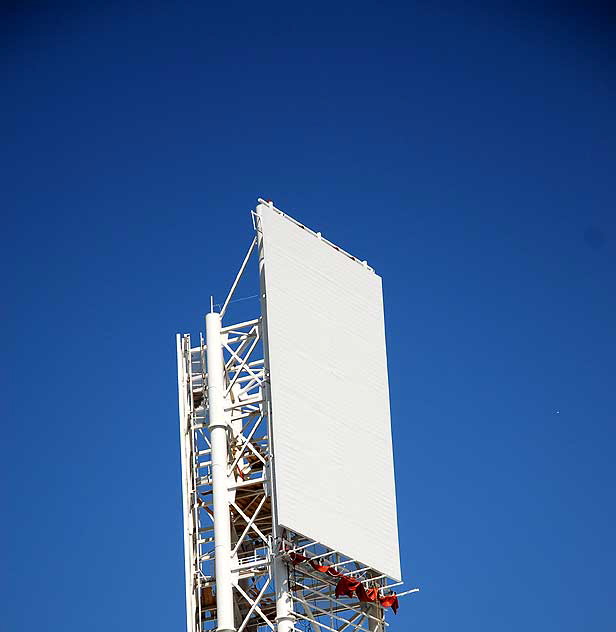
[(248, 496), (314, 590), (255, 568)]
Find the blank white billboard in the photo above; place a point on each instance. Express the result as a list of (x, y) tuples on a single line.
[(333, 459)]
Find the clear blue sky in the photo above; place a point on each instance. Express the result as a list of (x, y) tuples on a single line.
[(467, 153)]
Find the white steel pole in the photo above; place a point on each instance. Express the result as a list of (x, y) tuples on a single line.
[(285, 619), (220, 482), (189, 557)]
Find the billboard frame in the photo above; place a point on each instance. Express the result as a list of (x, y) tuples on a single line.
[(355, 414)]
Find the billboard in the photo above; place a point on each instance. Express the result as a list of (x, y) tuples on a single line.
[(334, 474)]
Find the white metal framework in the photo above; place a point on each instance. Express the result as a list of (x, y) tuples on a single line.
[(243, 570)]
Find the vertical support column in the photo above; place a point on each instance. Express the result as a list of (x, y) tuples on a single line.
[(285, 619), (374, 610), (183, 348), (220, 483)]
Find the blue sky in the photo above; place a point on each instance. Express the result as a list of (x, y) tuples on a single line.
[(467, 153)]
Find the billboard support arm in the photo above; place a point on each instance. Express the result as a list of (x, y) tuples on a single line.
[(219, 455), (238, 277)]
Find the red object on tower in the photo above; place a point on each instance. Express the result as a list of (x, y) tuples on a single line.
[(370, 594), (390, 601), (296, 558), (347, 586)]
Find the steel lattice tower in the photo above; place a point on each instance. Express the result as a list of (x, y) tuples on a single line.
[(245, 571)]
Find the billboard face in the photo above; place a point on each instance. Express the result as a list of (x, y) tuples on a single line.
[(333, 458)]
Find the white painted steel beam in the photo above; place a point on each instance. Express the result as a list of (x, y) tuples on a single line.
[(218, 437), (185, 452)]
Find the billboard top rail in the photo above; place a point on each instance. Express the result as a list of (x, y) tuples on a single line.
[(318, 235)]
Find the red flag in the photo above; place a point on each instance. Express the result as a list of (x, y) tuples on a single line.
[(346, 586), (321, 569), (390, 601), (371, 594)]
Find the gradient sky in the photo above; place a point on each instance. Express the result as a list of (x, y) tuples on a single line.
[(467, 153)]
